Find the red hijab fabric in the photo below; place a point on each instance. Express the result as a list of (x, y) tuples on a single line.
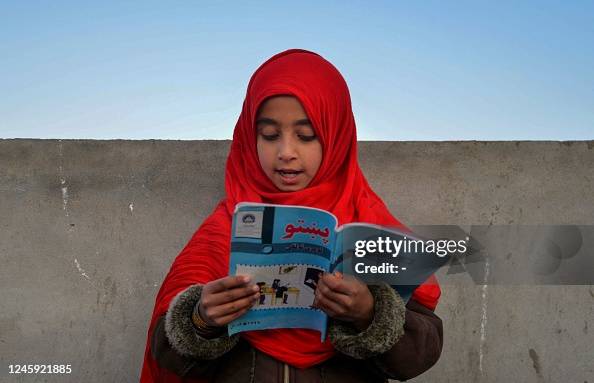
[(339, 187)]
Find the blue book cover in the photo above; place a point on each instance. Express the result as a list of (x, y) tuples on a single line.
[(285, 249)]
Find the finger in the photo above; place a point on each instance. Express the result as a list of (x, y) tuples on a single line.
[(222, 321), (339, 298), (231, 295), (227, 283), (314, 304), (333, 282), (232, 307), (331, 308), (340, 285)]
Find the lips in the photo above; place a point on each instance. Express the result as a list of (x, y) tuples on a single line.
[(289, 175), (289, 172)]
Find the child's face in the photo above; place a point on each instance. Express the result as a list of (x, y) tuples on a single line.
[(289, 150)]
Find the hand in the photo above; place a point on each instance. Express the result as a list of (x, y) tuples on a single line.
[(345, 298), (226, 299)]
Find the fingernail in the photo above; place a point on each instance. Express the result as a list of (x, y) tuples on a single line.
[(256, 288), (246, 279)]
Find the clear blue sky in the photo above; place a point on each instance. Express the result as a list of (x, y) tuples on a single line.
[(420, 70)]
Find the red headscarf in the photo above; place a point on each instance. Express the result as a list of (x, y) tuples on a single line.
[(339, 186)]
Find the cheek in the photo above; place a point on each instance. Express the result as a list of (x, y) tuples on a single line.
[(315, 157), (265, 155)]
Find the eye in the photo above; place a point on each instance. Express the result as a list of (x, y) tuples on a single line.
[(306, 134), (308, 137), (269, 137), (268, 132)]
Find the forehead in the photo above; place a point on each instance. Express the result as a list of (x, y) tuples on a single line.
[(282, 106)]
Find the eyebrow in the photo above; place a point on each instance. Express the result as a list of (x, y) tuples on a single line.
[(270, 121), (303, 121), (266, 121)]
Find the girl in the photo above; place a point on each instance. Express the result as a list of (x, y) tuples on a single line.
[(294, 143)]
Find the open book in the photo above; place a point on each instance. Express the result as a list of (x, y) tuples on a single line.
[(285, 249)]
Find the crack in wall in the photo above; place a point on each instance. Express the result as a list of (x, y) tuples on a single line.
[(484, 316)]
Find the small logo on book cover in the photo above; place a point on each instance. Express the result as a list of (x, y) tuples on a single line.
[(248, 218), (249, 224)]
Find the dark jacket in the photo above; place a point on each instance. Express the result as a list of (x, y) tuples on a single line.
[(401, 343)]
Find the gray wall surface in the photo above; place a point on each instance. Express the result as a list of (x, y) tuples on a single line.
[(88, 230)]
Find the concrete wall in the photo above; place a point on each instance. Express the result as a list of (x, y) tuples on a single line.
[(88, 230)]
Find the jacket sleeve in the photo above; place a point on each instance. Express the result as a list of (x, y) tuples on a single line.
[(176, 345), (401, 342)]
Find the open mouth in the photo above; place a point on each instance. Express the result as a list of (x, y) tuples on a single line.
[(289, 174)]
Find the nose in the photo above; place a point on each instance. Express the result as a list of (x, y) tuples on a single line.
[(287, 149)]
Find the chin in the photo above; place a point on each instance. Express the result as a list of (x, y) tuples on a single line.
[(289, 188), (292, 188)]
